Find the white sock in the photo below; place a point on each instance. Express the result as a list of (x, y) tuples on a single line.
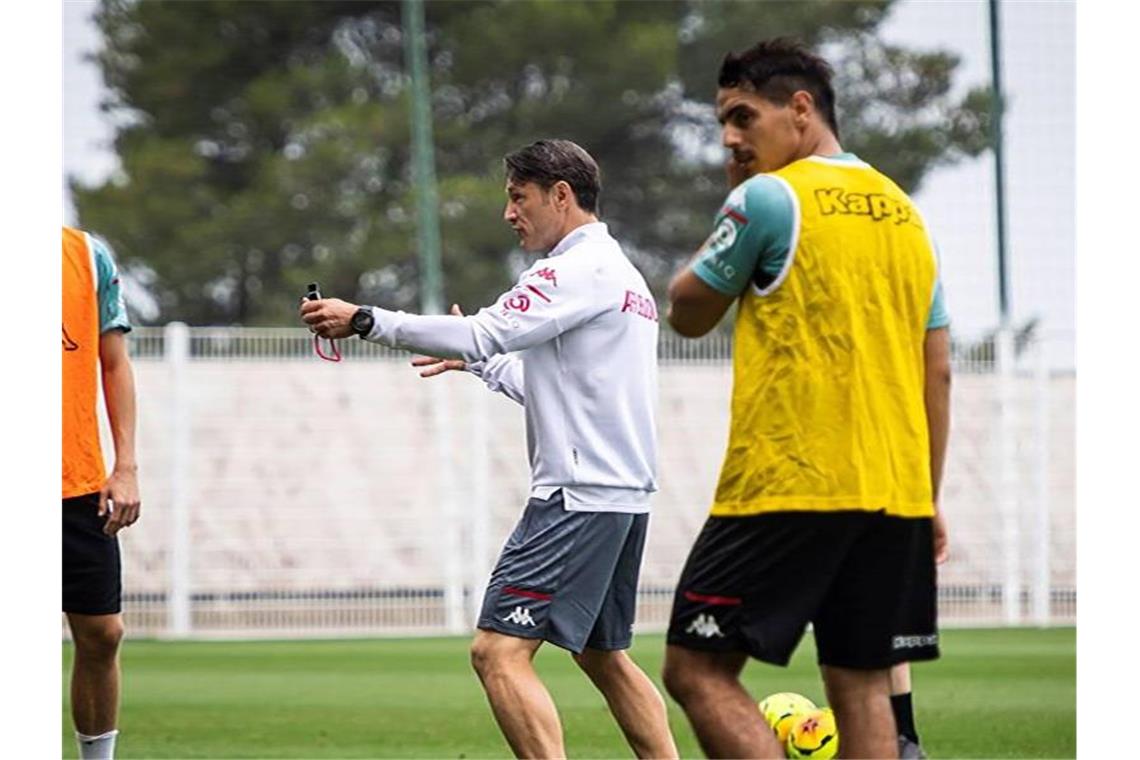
[(101, 747)]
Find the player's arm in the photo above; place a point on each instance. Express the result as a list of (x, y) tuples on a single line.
[(752, 230), (502, 373), (122, 487), (434, 365), (537, 309), (694, 306), (936, 350)]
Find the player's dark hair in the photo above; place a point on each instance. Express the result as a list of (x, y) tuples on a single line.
[(776, 69), (548, 161)]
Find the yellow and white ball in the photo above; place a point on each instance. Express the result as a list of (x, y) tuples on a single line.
[(813, 735), (782, 709)]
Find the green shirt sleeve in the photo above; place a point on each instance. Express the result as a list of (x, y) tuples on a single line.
[(939, 316), (751, 237), (112, 308)]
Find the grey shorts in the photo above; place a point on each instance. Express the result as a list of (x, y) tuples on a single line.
[(569, 578)]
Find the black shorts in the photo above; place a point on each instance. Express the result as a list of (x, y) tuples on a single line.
[(865, 581), (92, 570), (567, 577)]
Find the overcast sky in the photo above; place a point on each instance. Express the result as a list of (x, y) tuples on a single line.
[(1039, 80)]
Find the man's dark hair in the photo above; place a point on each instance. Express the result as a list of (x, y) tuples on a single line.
[(548, 161), (776, 69)]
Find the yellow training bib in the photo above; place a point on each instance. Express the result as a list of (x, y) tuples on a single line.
[(828, 407)]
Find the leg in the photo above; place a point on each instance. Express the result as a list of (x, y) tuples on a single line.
[(900, 679), (95, 673), (522, 706), (902, 705), (862, 703), (723, 714), (633, 699)]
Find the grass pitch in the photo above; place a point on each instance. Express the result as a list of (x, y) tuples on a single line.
[(994, 693)]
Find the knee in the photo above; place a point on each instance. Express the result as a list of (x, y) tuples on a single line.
[(487, 655), (480, 657), (587, 660), (601, 666), (99, 641), (848, 689), (680, 681), (692, 676)]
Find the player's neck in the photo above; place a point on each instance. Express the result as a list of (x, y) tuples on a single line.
[(821, 142), (574, 219)]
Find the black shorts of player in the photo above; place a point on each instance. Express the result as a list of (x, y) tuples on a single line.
[(864, 580), (92, 570), (567, 577)]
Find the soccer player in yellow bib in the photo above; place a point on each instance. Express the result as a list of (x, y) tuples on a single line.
[(826, 508)]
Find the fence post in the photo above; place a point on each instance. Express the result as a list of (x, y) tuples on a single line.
[(1007, 477), (1042, 560), (177, 349), (449, 539), (479, 506)]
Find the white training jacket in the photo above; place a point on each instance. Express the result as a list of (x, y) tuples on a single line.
[(575, 342)]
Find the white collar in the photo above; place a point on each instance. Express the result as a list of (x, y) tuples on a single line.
[(579, 234)]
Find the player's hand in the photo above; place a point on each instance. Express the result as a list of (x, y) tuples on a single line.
[(329, 317), (119, 500), (436, 366), (941, 537)]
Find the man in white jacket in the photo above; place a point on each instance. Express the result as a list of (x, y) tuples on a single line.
[(575, 342)]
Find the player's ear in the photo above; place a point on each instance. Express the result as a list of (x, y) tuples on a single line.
[(803, 104), (563, 194)]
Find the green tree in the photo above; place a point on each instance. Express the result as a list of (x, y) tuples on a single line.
[(265, 145)]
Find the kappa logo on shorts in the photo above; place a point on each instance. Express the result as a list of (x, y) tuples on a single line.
[(704, 625), (520, 616), (914, 642)]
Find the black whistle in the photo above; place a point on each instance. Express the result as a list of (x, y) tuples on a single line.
[(314, 292)]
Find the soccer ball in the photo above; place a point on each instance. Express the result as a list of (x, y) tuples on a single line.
[(782, 709), (814, 735)]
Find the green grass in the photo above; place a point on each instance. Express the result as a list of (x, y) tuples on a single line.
[(994, 693)]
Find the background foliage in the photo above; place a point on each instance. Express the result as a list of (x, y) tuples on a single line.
[(265, 145)]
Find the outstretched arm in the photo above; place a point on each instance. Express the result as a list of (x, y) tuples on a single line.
[(549, 299), (502, 373), (434, 364)]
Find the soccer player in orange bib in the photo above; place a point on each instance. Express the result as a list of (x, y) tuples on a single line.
[(95, 506), (826, 509)]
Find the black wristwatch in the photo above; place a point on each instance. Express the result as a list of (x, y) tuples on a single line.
[(362, 321)]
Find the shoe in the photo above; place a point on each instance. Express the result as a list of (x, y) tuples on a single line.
[(910, 750)]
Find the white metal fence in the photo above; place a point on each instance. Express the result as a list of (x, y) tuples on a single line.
[(287, 496)]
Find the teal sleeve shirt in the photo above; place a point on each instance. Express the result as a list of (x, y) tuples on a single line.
[(752, 239), (112, 308)]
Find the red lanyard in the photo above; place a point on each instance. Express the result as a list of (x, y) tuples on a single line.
[(335, 351)]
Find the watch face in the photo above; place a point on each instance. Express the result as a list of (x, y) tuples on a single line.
[(362, 321)]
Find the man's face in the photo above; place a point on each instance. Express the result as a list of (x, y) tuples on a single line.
[(761, 134), (533, 216)]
